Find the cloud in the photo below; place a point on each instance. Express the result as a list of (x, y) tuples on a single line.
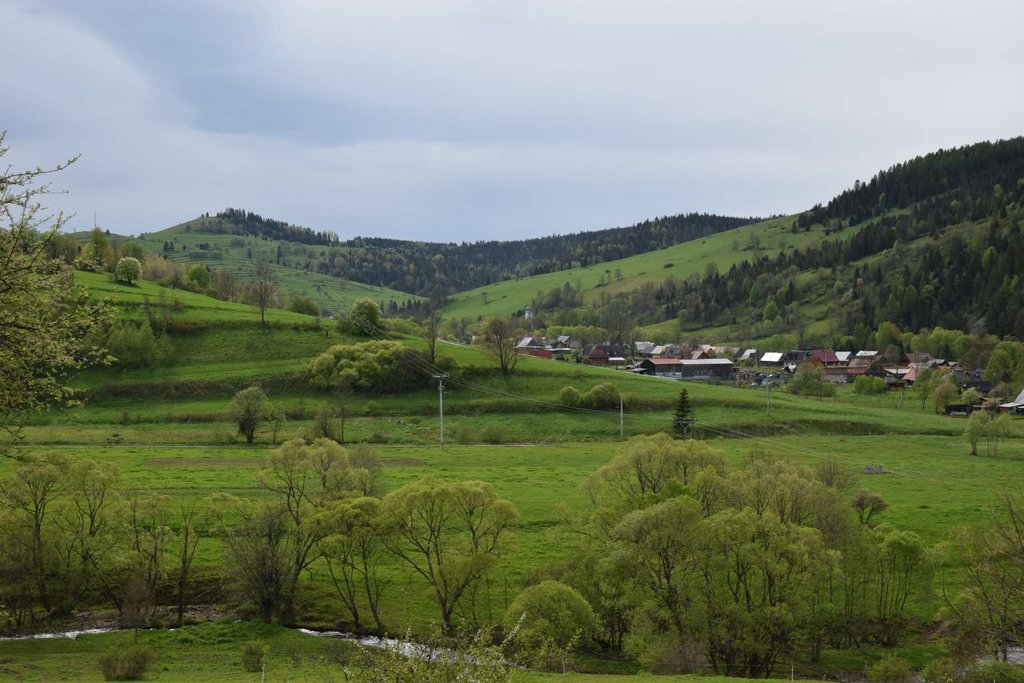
[(466, 120)]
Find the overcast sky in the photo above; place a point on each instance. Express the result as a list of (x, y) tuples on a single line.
[(467, 120)]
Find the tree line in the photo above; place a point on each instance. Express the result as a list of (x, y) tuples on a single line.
[(441, 269)]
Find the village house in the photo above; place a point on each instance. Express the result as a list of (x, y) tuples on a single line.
[(533, 346), (772, 358)]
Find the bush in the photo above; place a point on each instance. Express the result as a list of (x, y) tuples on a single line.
[(303, 304), (254, 656), (569, 396), (373, 367), (601, 397), (363, 321), (463, 434), (551, 612), (128, 664), (890, 669), (493, 433), (809, 380), (866, 384), (994, 671)]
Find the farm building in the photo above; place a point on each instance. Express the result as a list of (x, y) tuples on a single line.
[(686, 368)]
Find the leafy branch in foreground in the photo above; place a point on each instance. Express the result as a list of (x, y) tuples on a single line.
[(44, 315)]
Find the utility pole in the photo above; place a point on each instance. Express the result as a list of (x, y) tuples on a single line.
[(768, 396), (319, 308), (622, 424), (440, 402)]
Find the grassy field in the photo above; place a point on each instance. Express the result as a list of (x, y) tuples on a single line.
[(165, 429), (212, 652)]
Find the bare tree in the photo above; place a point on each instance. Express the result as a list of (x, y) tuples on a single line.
[(500, 338), (263, 286), (188, 537)]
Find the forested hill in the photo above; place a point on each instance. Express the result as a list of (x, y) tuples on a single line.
[(942, 246), (445, 268)]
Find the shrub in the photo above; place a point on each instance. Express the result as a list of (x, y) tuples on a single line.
[(569, 396), (493, 433), (463, 434), (128, 270), (994, 671), (303, 304), (551, 612), (128, 664), (254, 656), (601, 397), (363, 321), (890, 669), (373, 367), (866, 384), (809, 380)]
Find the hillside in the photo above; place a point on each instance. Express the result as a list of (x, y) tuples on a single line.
[(235, 254), (438, 269), (935, 241)]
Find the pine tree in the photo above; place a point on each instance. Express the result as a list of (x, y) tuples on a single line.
[(683, 416)]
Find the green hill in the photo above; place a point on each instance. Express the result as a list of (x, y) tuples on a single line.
[(935, 241), (234, 254)]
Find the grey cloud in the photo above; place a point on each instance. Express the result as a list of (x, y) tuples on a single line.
[(454, 120)]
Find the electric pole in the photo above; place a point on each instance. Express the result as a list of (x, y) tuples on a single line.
[(440, 403), (319, 308), (768, 396), (622, 428)]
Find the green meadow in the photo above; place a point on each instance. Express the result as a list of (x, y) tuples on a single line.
[(166, 430)]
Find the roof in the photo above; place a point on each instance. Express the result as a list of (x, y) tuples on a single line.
[(772, 357), (843, 356), (825, 355), (663, 361), (867, 354), (748, 354), (704, 361)]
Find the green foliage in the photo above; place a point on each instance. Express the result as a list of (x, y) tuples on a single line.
[(374, 367), (943, 393), (133, 344), (474, 659), (249, 409), (364, 320), (128, 270), (127, 664), (551, 612), (604, 396), (867, 385), (890, 669), (199, 277), (44, 315), (494, 434), (809, 380), (448, 533), (254, 656), (569, 396)]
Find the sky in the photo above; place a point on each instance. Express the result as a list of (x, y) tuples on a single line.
[(464, 120)]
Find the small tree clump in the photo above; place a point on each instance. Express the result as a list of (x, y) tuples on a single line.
[(254, 656), (126, 664), (249, 409), (128, 270)]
